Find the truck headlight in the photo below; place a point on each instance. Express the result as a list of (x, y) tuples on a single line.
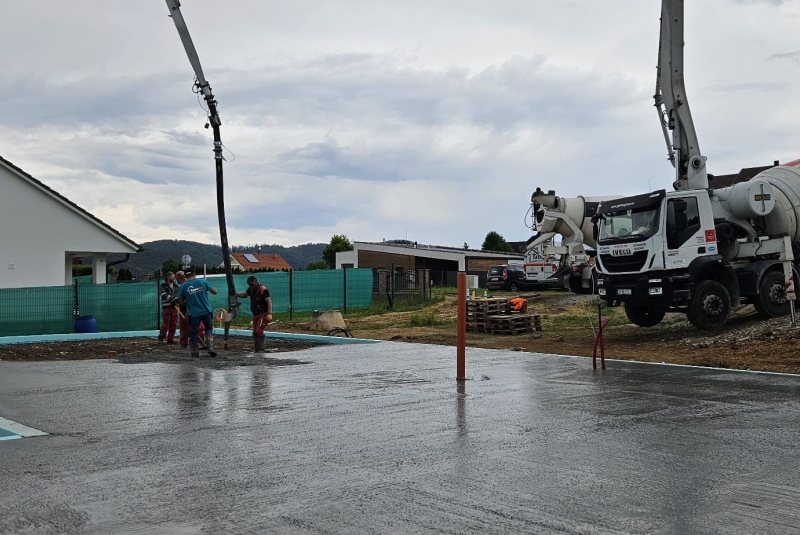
[(601, 291), (656, 290)]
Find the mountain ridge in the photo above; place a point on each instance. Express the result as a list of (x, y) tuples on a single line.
[(157, 252)]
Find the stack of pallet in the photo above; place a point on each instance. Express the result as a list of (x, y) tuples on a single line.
[(494, 316)]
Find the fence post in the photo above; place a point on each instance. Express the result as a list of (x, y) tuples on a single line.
[(76, 304), (291, 307), (344, 291)]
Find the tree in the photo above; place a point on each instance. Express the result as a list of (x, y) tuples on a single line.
[(465, 246), (320, 264), (338, 243), (168, 265), (125, 274), (495, 242)]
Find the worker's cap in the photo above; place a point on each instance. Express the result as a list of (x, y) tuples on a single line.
[(188, 273)]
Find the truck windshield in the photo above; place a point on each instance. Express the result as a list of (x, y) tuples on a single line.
[(627, 225)]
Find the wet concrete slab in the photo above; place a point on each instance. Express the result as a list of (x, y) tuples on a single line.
[(381, 439)]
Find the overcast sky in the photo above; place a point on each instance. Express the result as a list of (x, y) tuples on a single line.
[(431, 120)]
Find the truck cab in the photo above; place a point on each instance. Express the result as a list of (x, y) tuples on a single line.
[(653, 249)]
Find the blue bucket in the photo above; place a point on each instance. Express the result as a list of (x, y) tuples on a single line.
[(85, 324)]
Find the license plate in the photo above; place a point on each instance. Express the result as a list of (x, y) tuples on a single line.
[(494, 279), (624, 291)]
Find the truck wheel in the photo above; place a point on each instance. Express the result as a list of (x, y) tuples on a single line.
[(576, 285), (710, 306), (771, 300), (644, 316)]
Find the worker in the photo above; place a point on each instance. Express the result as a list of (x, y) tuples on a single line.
[(192, 294), (183, 319), (168, 296), (261, 306), (520, 304)]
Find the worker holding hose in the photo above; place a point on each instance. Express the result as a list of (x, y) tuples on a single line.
[(261, 306)]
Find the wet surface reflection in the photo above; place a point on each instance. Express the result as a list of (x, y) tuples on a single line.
[(221, 395)]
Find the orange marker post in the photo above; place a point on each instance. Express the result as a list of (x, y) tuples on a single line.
[(461, 334)]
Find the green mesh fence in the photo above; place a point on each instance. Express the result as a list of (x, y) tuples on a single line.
[(323, 289), (135, 306), (121, 307), (31, 311)]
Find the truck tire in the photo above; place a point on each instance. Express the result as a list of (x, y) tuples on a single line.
[(644, 316), (710, 307), (576, 285), (771, 300)]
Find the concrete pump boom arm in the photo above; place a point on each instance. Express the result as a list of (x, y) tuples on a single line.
[(213, 119), (671, 103)]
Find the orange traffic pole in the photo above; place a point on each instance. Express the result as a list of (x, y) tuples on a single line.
[(461, 334)]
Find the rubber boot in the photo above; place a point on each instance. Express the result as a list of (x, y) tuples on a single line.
[(255, 345), (210, 344), (195, 351), (261, 345)]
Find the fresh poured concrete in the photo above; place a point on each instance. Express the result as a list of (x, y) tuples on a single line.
[(380, 438)]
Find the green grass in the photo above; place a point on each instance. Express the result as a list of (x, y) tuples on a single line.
[(424, 319)]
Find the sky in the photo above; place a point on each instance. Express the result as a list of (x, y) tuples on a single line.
[(432, 121)]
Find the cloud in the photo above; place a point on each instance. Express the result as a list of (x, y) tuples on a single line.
[(432, 119), (793, 56)]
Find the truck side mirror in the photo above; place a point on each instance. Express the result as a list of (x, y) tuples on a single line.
[(595, 226)]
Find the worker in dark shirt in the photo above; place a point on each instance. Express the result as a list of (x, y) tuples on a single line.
[(261, 306)]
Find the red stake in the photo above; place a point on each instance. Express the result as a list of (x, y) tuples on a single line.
[(461, 329), (599, 340)]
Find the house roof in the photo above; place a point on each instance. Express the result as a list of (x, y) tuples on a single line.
[(63, 200), (262, 261), (414, 249), (723, 181)]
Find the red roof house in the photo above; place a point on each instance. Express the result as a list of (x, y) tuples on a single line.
[(258, 262)]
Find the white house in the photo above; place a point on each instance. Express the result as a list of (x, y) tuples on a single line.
[(42, 231)]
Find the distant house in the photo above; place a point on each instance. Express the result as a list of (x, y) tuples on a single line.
[(43, 232), (443, 263), (258, 262)]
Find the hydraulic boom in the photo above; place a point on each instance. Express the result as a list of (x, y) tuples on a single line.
[(214, 121), (673, 108)]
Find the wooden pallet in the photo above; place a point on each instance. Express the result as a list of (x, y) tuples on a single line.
[(515, 324), (488, 305), (494, 316)]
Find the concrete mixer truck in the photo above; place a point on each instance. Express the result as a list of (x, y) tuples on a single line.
[(696, 250), (571, 218)]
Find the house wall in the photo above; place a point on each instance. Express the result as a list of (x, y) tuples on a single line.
[(37, 233), (483, 264), (372, 259)]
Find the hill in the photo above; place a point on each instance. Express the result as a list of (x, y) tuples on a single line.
[(157, 252)]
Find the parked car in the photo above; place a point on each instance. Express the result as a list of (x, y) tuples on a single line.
[(506, 277)]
